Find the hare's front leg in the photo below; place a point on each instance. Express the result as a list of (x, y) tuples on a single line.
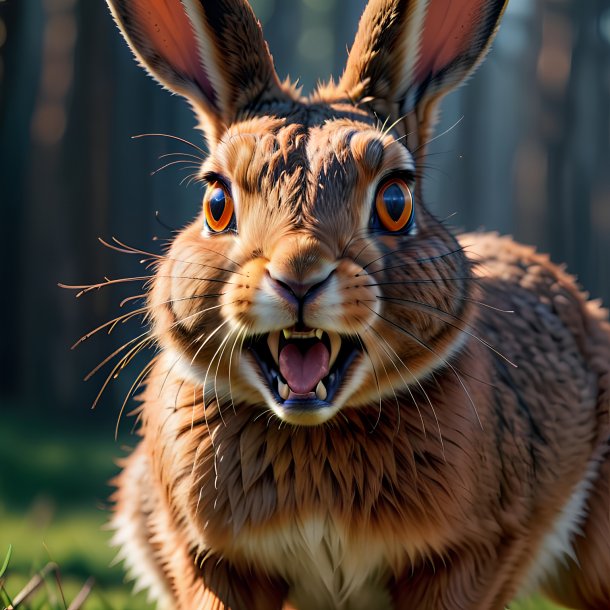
[(468, 579), (585, 583), (217, 585), (159, 558)]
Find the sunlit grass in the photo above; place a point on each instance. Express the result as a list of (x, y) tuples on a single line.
[(53, 508), (78, 544), (533, 604)]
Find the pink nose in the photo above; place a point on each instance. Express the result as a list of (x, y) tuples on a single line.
[(298, 292)]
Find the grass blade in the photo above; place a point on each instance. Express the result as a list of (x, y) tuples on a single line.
[(35, 583), (82, 596), (6, 560)]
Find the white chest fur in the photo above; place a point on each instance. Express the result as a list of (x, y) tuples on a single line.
[(325, 568)]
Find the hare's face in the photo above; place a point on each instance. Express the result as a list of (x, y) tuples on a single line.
[(310, 299), (314, 279)]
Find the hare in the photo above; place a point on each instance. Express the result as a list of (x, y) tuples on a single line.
[(351, 407)]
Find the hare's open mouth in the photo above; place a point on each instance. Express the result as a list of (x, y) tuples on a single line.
[(304, 368)]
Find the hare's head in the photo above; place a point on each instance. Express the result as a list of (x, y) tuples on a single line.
[(314, 279)]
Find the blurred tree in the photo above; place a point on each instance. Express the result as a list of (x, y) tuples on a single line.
[(21, 25), (574, 86), (529, 155)]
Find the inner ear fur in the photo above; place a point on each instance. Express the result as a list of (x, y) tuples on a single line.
[(210, 51), (408, 54)]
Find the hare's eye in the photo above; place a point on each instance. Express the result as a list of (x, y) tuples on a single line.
[(394, 205), (218, 208)]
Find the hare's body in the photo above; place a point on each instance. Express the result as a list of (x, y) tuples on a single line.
[(363, 512), (351, 409)]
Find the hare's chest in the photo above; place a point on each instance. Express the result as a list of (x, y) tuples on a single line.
[(324, 567)]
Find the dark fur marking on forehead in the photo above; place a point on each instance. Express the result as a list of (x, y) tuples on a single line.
[(313, 161), (309, 114)]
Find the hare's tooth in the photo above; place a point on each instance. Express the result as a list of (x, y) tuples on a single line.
[(321, 392), (335, 346), (300, 334), (283, 389), (273, 341)]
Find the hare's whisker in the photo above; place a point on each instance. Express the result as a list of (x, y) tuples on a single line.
[(262, 413), (445, 220), (86, 288), (181, 154), (189, 179), (179, 357), (134, 297), (363, 249), (137, 420), (440, 135), (112, 323), (127, 358), (190, 344), (126, 249), (219, 352), (119, 366), (444, 255), (158, 218), (422, 389), (393, 391), (171, 137), (486, 305), (365, 351), (209, 337), (187, 167), (196, 278), (436, 311), (141, 311), (400, 119), (113, 354), (433, 351), (433, 281), (182, 320), (171, 163), (134, 387), (178, 393), (206, 265), (410, 262), (406, 384), (361, 234), (237, 338)]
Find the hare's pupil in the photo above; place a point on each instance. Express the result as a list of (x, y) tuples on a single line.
[(394, 200), (217, 204)]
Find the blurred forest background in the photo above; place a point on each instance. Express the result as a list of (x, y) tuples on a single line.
[(527, 152)]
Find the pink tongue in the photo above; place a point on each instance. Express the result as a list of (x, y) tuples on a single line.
[(304, 372)]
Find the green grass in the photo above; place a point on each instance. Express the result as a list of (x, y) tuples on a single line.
[(53, 507)]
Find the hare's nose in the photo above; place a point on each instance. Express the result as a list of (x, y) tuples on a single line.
[(299, 292)]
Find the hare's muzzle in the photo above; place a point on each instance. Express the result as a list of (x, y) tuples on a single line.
[(304, 368)]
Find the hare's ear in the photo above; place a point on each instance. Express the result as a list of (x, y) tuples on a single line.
[(210, 51), (409, 53)]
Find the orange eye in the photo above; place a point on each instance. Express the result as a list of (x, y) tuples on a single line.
[(218, 208), (394, 205)]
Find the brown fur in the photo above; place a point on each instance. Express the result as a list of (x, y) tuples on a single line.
[(468, 445)]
